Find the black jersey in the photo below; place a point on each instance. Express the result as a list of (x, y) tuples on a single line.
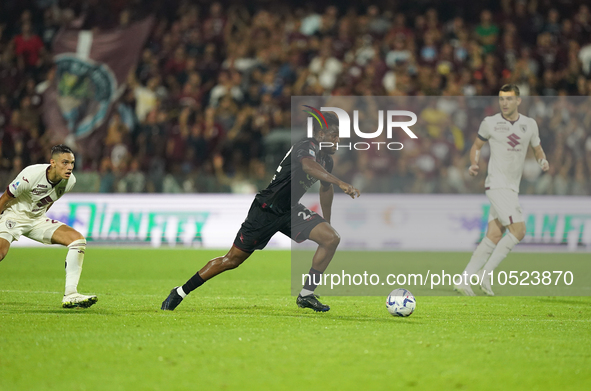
[(290, 181)]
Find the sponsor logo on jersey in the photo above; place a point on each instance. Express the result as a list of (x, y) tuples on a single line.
[(39, 190), (43, 202), (523, 128), (502, 128), (43, 186), (513, 140), (25, 179), (10, 224)]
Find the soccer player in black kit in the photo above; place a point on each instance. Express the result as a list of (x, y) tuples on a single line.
[(277, 209)]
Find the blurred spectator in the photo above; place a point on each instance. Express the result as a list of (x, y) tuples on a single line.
[(210, 98), (325, 68), (145, 97), (487, 32), (28, 47), (134, 180)]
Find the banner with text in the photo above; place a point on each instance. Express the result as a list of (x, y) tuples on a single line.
[(378, 222)]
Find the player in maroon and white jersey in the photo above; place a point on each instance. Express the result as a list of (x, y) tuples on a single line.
[(509, 134), (23, 207)]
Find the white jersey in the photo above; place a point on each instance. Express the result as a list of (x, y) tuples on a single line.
[(33, 192), (508, 146)]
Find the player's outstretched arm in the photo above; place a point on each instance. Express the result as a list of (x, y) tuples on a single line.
[(475, 156), (541, 158), (326, 197), (312, 168), (5, 199)]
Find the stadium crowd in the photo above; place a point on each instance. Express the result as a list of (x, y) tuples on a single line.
[(208, 107)]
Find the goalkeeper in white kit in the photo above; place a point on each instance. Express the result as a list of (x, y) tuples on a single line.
[(509, 135), (23, 207)]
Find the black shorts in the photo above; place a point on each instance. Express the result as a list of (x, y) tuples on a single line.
[(261, 224)]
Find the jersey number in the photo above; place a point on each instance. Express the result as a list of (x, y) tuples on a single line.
[(304, 215)]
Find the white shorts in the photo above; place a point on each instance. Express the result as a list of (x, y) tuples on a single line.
[(40, 229), (504, 206)]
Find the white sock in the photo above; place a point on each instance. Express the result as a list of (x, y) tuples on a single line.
[(181, 292), (503, 248), (74, 260), (480, 256), (306, 292)]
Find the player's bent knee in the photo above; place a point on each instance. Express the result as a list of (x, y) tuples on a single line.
[(518, 230), (4, 247), (77, 236), (336, 239), (3, 253), (79, 243), (519, 234), (333, 241), (494, 238)]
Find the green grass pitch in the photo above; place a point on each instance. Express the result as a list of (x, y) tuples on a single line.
[(243, 331)]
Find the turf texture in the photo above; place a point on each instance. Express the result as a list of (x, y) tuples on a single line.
[(243, 331)]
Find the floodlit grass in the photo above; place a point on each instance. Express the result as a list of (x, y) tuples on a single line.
[(243, 331)]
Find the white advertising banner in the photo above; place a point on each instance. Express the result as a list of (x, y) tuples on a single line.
[(377, 222), (451, 222), (204, 221)]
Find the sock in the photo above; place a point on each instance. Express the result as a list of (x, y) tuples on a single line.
[(314, 278), (181, 292), (480, 256), (306, 292), (194, 282), (74, 260), (503, 248)]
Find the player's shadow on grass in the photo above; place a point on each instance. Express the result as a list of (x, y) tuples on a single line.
[(297, 313), (29, 308)]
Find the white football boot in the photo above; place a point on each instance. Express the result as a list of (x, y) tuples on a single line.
[(78, 300), (485, 284), (464, 289)]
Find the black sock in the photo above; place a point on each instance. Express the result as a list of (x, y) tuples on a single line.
[(194, 282), (314, 276)]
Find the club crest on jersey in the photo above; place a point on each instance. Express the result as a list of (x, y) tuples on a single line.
[(10, 224), (523, 128)]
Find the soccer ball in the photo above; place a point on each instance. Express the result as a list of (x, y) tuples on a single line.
[(401, 302)]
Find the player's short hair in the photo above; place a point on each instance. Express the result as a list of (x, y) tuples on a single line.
[(59, 149), (509, 88), (331, 120)]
